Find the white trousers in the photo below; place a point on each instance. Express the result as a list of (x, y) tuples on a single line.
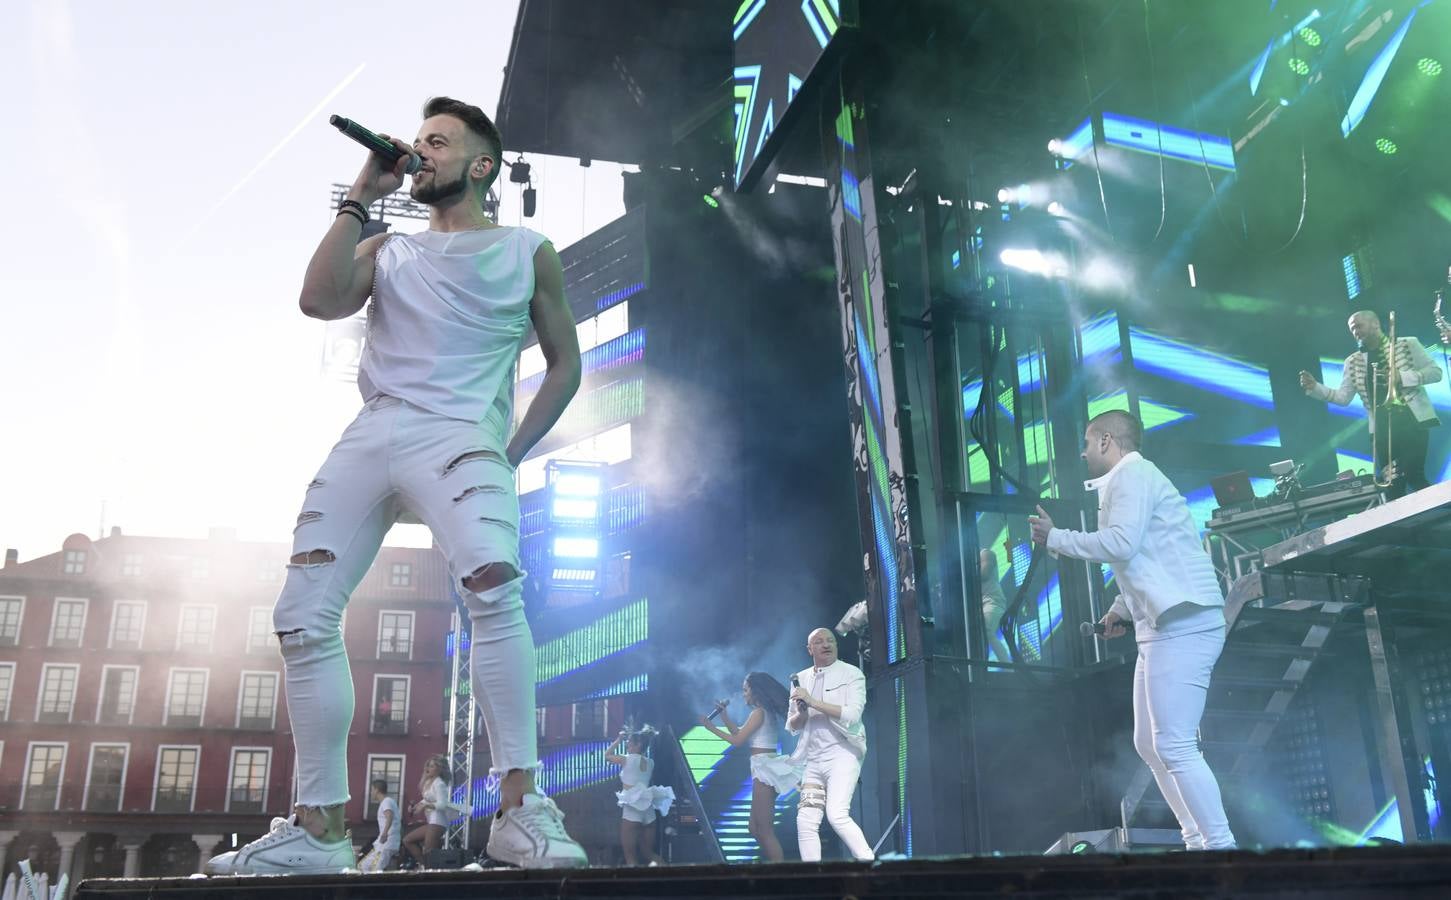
[(453, 476), (826, 791), (1171, 682), (992, 620)]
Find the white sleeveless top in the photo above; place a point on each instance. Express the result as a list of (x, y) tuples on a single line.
[(768, 736), (449, 312), (631, 773)]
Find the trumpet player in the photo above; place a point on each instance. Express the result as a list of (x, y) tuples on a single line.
[(1389, 376)]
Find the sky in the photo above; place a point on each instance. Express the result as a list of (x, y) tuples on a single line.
[(173, 168)]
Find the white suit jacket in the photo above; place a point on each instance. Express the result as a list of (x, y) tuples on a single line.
[(1148, 537), (1415, 366), (846, 687)]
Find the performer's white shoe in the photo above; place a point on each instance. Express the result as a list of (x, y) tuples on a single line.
[(287, 849), (532, 836)]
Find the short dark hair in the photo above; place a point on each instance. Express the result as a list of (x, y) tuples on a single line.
[(481, 125), (1127, 430), (380, 785)]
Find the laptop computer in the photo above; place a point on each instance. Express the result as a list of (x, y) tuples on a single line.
[(1232, 489)]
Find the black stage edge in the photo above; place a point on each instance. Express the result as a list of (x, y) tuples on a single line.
[(1416, 871)]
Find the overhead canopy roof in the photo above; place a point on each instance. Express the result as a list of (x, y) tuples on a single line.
[(639, 81)]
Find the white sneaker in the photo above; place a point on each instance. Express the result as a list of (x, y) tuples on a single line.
[(285, 850), (532, 836)]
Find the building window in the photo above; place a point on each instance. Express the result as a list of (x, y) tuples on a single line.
[(11, 609), (106, 777), (118, 695), (257, 705), (390, 704), (395, 635), (175, 778), (57, 693), (186, 697), (128, 623), (247, 786), (195, 630), (201, 568), (390, 769), (7, 681), (43, 772), (401, 575), (131, 565), (259, 629), (269, 570), (68, 622), (589, 718), (75, 562)]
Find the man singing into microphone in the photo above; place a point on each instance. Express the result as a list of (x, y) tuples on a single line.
[(1168, 589), (826, 710), (1407, 427), (450, 308)]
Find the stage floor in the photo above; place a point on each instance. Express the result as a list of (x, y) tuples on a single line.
[(1416, 871)]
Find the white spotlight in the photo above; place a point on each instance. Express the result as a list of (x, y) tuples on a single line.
[(1029, 260), (1056, 209), (1055, 147), (1005, 195)]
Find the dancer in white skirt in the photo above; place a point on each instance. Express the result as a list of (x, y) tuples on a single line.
[(772, 773), (640, 801)]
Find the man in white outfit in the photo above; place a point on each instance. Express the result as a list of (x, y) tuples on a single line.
[(826, 711), (390, 831), (1168, 589), (450, 309)]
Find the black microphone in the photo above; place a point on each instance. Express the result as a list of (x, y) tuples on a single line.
[(796, 683), (720, 706), (378, 145)]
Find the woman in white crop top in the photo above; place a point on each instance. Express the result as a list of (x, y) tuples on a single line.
[(772, 773), (640, 801), (433, 807)]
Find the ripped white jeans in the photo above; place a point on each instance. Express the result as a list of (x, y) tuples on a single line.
[(827, 787), (453, 476)]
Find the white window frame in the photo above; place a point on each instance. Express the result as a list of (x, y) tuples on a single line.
[(241, 689), (65, 749), (368, 780), (171, 682), (10, 695), (412, 631), (267, 633), (195, 773), (19, 621), (85, 603), (90, 763), (40, 691), (406, 572), (407, 704), (130, 561), (181, 621), (115, 608), (232, 770), (200, 568), (65, 562), (101, 693)]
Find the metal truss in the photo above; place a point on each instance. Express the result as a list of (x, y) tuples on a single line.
[(461, 731), (401, 206)]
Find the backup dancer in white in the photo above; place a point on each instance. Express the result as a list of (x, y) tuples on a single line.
[(771, 773), (640, 802), (433, 806), (450, 308), (826, 710), (1168, 588)]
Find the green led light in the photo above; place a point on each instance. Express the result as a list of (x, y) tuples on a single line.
[(1428, 66), (1299, 66), (1386, 146), (1310, 36), (710, 201)]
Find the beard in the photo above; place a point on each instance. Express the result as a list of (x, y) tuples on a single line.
[(437, 191)]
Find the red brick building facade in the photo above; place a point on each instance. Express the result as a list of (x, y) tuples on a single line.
[(143, 720)]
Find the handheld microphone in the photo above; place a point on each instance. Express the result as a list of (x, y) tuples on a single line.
[(1089, 629), (720, 706), (796, 683), (375, 143)]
